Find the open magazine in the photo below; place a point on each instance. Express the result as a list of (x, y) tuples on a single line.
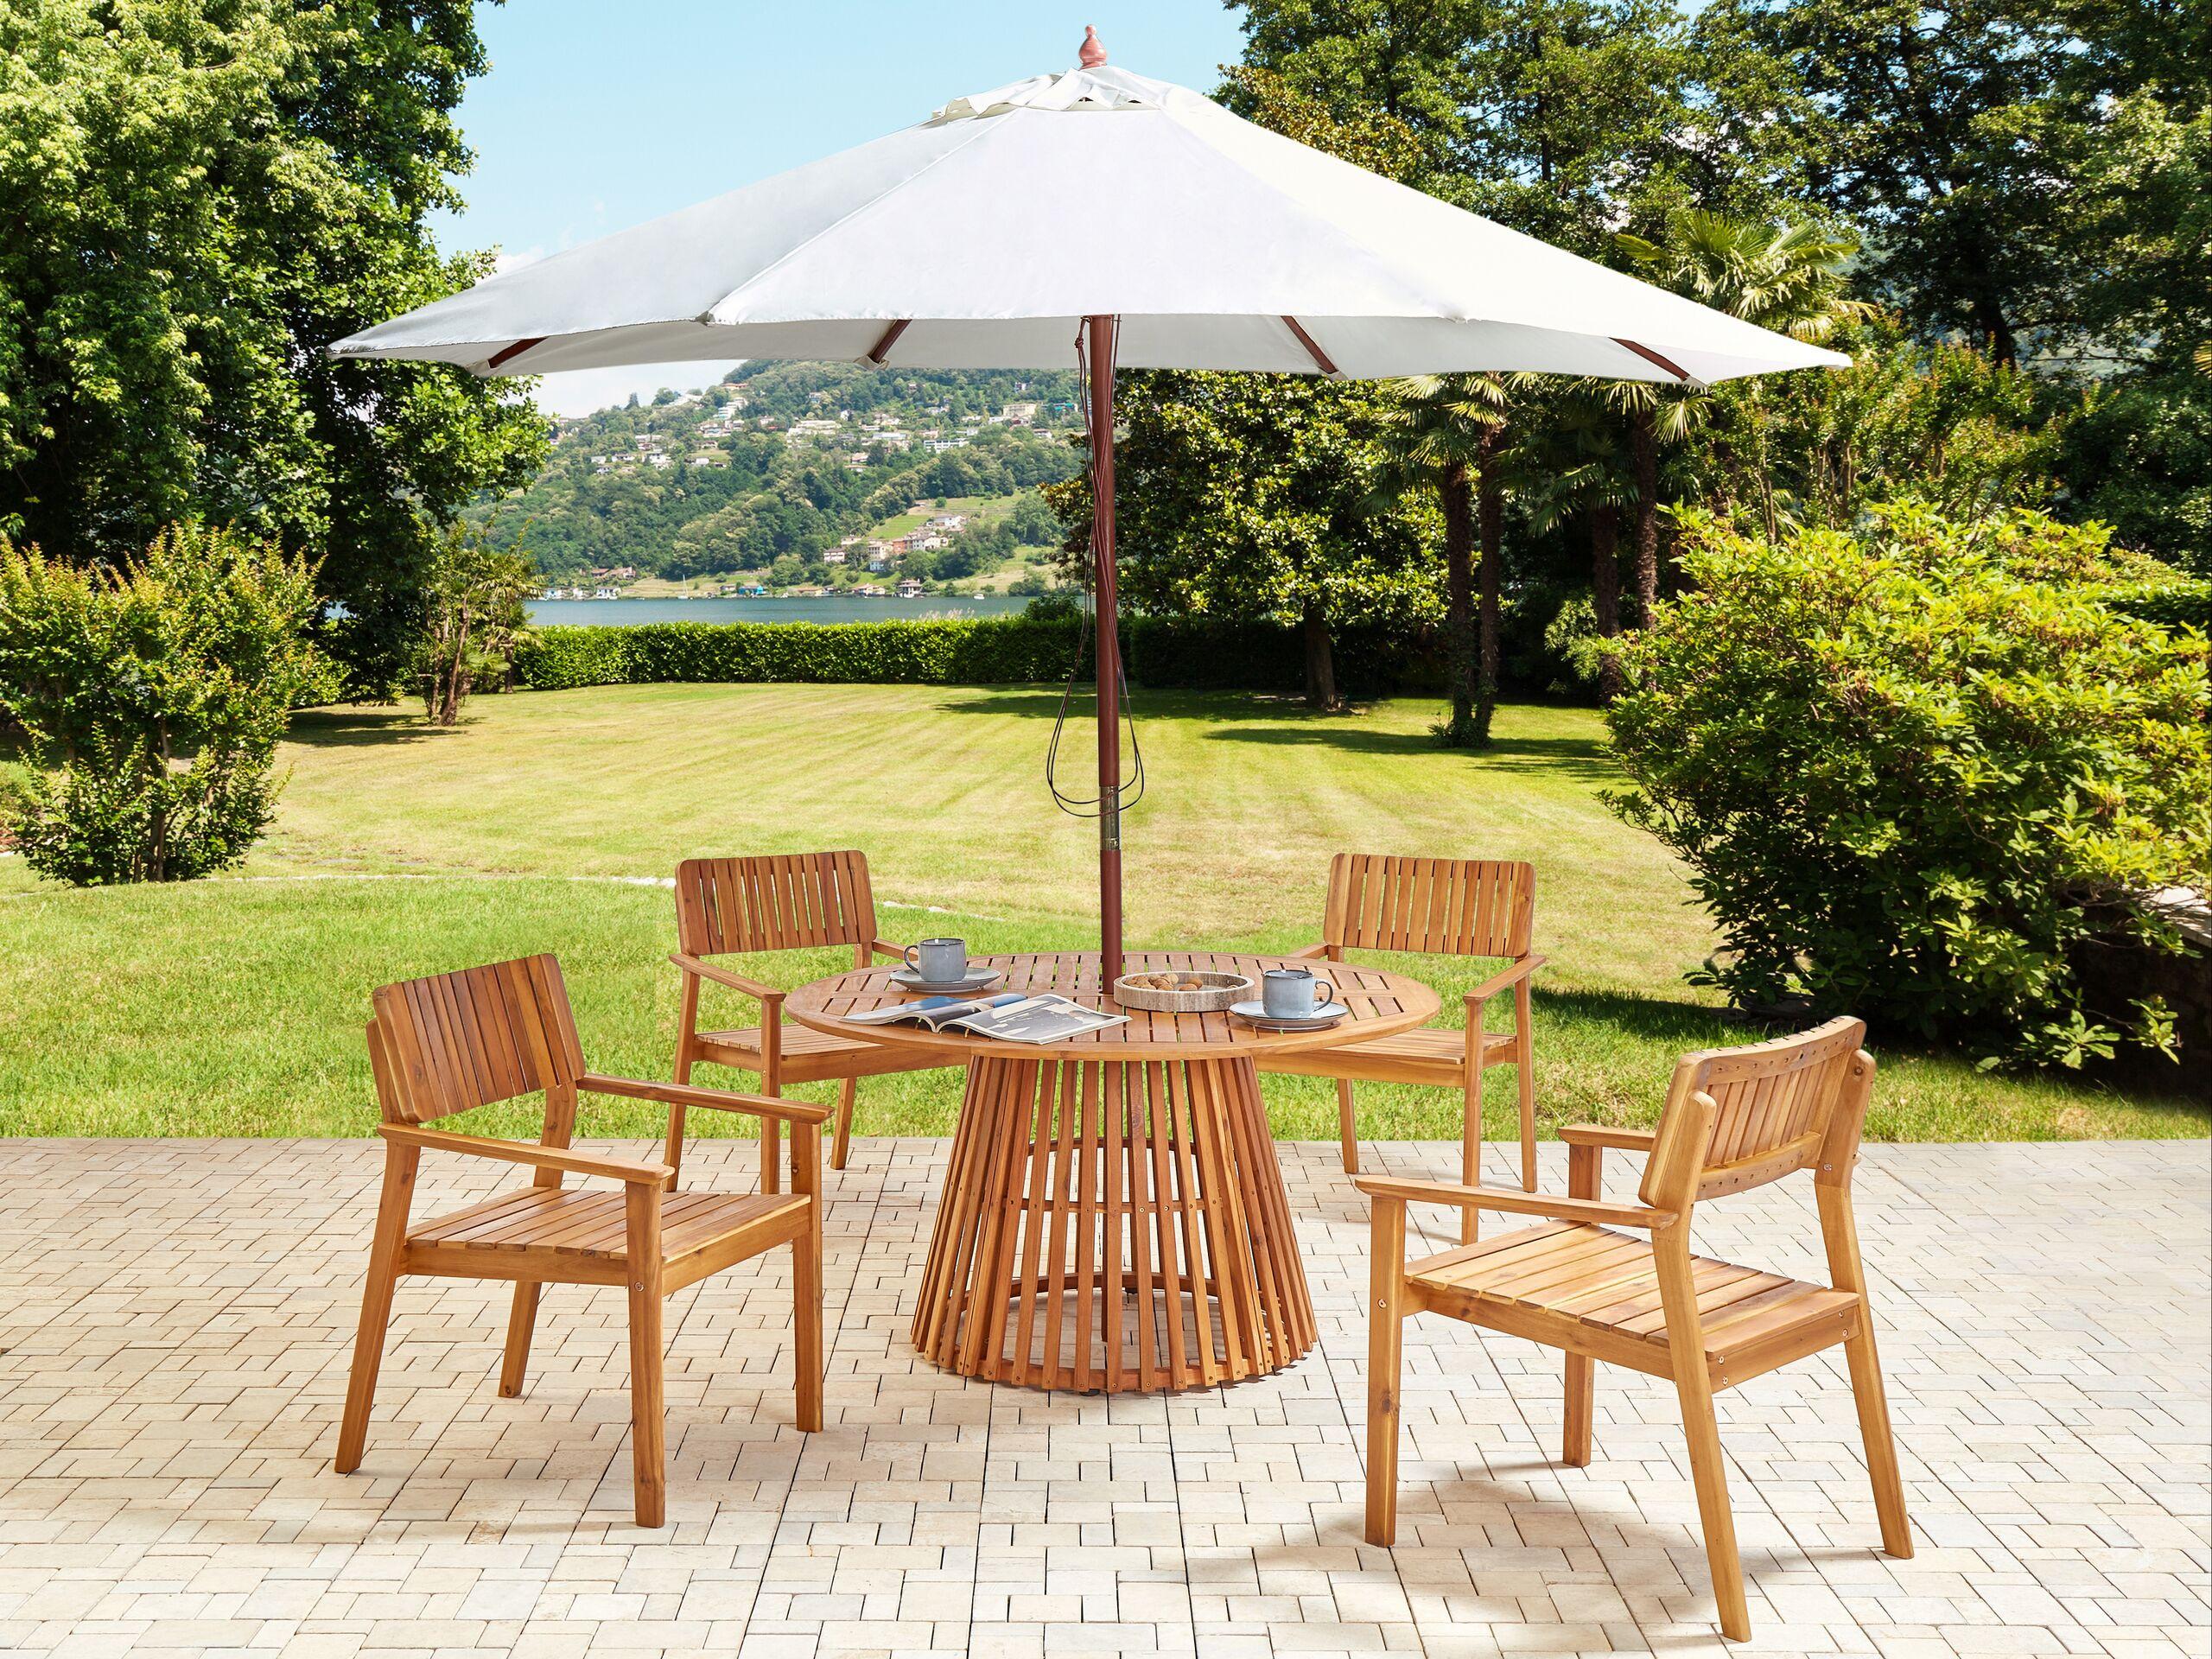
[(1008, 1019)]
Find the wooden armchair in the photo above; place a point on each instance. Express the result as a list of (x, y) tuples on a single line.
[(1735, 1118), (445, 1044), (1471, 907), (737, 906)]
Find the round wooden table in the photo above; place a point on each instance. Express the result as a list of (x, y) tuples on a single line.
[(1114, 1218)]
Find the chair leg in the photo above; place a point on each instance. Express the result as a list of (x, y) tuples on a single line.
[(519, 1322), (399, 1167), (1581, 1402), (1470, 1152), (1874, 1403), (1348, 1126), (771, 1155), (1528, 1070), (1386, 1328), (672, 1154), (806, 1322), (648, 1409), (1710, 1477), (843, 1144)]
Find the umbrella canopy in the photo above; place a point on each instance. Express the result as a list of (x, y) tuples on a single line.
[(1082, 220), (989, 231)]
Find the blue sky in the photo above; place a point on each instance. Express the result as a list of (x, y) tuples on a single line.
[(597, 116)]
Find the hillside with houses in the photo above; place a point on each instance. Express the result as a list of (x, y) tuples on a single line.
[(802, 477)]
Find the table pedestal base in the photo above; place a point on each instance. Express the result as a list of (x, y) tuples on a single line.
[(1113, 1226)]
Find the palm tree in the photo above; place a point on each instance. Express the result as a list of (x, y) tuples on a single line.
[(1579, 475), (1447, 431), (1787, 277)]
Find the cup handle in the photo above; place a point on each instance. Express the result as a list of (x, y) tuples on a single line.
[(911, 955), (1324, 993)]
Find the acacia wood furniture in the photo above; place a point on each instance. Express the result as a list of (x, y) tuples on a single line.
[(1114, 1218), (745, 906), (453, 1042), (1457, 906), (1735, 1118)]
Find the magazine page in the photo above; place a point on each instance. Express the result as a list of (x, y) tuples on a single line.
[(1036, 1019), (935, 1011)]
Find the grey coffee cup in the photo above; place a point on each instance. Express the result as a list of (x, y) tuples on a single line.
[(1293, 993), (939, 961)]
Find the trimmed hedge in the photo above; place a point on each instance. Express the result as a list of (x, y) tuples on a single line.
[(979, 650)]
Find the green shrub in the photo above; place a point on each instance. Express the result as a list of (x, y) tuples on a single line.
[(2180, 603), (152, 699), (1913, 768)]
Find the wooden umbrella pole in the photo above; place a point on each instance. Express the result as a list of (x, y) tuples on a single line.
[(1109, 650)]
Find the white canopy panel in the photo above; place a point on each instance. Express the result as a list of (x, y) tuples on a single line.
[(982, 237)]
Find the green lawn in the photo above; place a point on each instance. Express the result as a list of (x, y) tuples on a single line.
[(549, 820)]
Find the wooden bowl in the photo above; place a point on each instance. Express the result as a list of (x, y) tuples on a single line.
[(1182, 990)]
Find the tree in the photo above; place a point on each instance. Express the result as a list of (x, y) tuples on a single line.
[(1252, 497), (200, 196), (1446, 433), (1788, 278), (1998, 153), (153, 696), (1946, 425), (477, 599), (2137, 457)]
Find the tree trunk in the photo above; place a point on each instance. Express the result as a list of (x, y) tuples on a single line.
[(1460, 730), (1491, 503), (1321, 659), (1643, 442), (1605, 591)]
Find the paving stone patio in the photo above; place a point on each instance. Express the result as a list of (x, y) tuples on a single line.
[(175, 1317)]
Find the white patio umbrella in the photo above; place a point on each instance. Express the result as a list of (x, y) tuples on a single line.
[(1084, 220)]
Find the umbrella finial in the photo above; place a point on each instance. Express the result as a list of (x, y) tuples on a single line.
[(1094, 52)]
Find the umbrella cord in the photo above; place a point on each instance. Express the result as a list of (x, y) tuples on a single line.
[(1132, 791)]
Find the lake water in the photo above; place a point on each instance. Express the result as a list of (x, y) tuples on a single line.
[(609, 612)]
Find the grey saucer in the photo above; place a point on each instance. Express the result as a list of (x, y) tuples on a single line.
[(1255, 1014), (978, 979)]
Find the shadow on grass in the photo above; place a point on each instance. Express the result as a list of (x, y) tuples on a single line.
[(357, 728), (1205, 708), (1281, 720), (1580, 758), (1659, 1019)]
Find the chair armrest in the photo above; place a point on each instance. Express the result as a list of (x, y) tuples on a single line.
[(1502, 980), (720, 1100), (884, 947), (523, 1152), (1513, 1201), (1592, 1134), (1312, 953), (767, 995)]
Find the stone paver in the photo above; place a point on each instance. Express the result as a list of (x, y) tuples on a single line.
[(176, 1319)]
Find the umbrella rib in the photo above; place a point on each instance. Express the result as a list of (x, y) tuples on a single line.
[(883, 347), (515, 350), (1650, 355), (1321, 359)]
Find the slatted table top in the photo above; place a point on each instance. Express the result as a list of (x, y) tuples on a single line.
[(1380, 1003)]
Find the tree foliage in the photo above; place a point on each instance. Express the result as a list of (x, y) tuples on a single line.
[(200, 195), (1244, 496), (476, 598), (153, 697), (1917, 770)]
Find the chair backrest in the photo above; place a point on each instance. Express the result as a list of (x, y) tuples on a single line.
[(1460, 907), (1776, 1108), (454, 1041), (779, 902)]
